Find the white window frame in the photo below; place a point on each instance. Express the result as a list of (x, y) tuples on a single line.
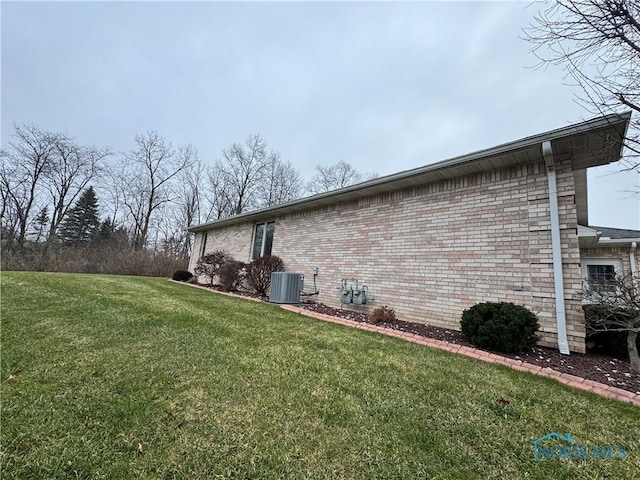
[(264, 237), (203, 244), (616, 263)]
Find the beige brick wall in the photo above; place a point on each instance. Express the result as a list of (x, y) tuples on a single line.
[(612, 251), (235, 240), (430, 252)]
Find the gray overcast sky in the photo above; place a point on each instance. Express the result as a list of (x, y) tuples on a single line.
[(383, 86)]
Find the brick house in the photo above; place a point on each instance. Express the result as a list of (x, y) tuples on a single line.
[(433, 241)]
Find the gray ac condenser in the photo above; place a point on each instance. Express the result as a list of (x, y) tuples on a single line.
[(286, 287)]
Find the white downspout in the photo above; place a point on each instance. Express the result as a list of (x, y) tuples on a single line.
[(632, 259), (561, 319)]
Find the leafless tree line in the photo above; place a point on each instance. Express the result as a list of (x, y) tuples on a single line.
[(38, 165), (152, 193)]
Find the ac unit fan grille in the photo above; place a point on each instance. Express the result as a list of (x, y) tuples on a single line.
[(285, 287)]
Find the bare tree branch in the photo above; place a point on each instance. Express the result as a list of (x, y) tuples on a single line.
[(26, 162), (71, 169), (249, 176), (148, 178), (616, 308), (336, 176), (597, 43)]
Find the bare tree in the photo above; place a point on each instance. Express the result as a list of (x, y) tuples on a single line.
[(282, 184), (149, 172), (217, 194), (169, 231), (244, 169), (335, 176), (190, 203), (617, 309), (71, 169), (185, 210), (8, 211), (597, 43), (111, 187), (191, 183), (248, 176), (26, 161)]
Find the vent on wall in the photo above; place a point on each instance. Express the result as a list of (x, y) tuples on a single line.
[(285, 287)]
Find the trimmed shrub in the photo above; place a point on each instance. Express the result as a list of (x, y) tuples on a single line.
[(503, 327), (209, 265), (382, 315), (182, 275), (231, 275), (258, 272)]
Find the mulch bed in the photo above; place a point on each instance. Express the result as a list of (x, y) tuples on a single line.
[(593, 366)]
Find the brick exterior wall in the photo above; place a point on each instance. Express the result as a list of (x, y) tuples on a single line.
[(617, 252), (429, 252), (234, 239)]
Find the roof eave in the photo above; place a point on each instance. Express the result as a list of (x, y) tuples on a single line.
[(477, 161), (618, 241)]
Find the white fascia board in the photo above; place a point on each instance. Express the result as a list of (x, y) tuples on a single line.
[(617, 241), (586, 232)]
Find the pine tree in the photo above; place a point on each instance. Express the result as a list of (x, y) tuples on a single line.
[(110, 233), (41, 222), (105, 230), (81, 224)]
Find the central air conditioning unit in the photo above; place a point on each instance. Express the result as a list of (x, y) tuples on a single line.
[(286, 287)]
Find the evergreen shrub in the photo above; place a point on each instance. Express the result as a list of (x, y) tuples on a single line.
[(182, 275), (503, 327)]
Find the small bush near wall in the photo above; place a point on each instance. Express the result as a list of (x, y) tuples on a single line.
[(503, 327), (382, 315), (231, 275), (258, 272), (612, 343), (209, 265), (182, 275)]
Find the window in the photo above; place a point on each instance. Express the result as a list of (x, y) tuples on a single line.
[(262, 239), (600, 276), (203, 244), (599, 273)]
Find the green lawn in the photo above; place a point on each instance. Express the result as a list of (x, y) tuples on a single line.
[(217, 387)]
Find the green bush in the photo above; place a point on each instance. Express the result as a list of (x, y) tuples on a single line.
[(503, 327), (258, 272), (182, 275)]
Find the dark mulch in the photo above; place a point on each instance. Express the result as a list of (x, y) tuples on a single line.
[(593, 366)]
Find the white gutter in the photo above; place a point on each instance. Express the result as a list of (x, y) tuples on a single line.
[(617, 241), (445, 169), (561, 319)]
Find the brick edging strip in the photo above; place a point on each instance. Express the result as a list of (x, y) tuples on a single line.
[(580, 383), (564, 378)]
